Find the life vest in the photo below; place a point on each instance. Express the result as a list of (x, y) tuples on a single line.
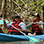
[(35, 27), (16, 24)]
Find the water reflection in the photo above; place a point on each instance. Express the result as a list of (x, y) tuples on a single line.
[(21, 42)]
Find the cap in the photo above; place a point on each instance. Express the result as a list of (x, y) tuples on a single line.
[(36, 14)]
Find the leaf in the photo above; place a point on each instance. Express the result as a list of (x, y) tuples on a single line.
[(26, 5)]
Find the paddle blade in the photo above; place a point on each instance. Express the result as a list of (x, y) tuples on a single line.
[(32, 39)]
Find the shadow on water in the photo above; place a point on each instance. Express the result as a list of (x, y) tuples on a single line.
[(22, 42)]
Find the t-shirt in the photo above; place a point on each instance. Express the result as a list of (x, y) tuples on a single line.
[(22, 25)]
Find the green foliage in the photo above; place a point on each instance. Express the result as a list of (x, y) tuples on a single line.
[(19, 2), (26, 5), (21, 6), (0, 1)]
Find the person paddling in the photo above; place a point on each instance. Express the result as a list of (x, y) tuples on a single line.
[(19, 24), (36, 28)]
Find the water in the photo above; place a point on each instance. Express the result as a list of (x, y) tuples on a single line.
[(21, 42)]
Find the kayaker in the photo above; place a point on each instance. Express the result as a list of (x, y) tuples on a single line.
[(19, 24), (36, 28)]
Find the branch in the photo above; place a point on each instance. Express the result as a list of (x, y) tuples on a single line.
[(17, 5)]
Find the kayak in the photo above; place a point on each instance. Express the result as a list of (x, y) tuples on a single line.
[(7, 37), (11, 38)]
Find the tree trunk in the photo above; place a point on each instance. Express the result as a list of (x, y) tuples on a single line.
[(3, 8), (3, 11)]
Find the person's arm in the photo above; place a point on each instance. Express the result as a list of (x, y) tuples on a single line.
[(28, 26), (41, 26), (23, 26), (8, 25)]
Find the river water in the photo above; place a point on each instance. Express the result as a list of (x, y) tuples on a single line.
[(22, 42)]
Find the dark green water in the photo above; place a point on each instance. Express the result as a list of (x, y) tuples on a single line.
[(21, 42)]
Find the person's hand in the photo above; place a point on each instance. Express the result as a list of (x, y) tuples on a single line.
[(29, 34), (34, 34), (2, 18), (36, 22)]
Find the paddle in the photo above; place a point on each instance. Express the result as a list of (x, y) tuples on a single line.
[(32, 39)]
